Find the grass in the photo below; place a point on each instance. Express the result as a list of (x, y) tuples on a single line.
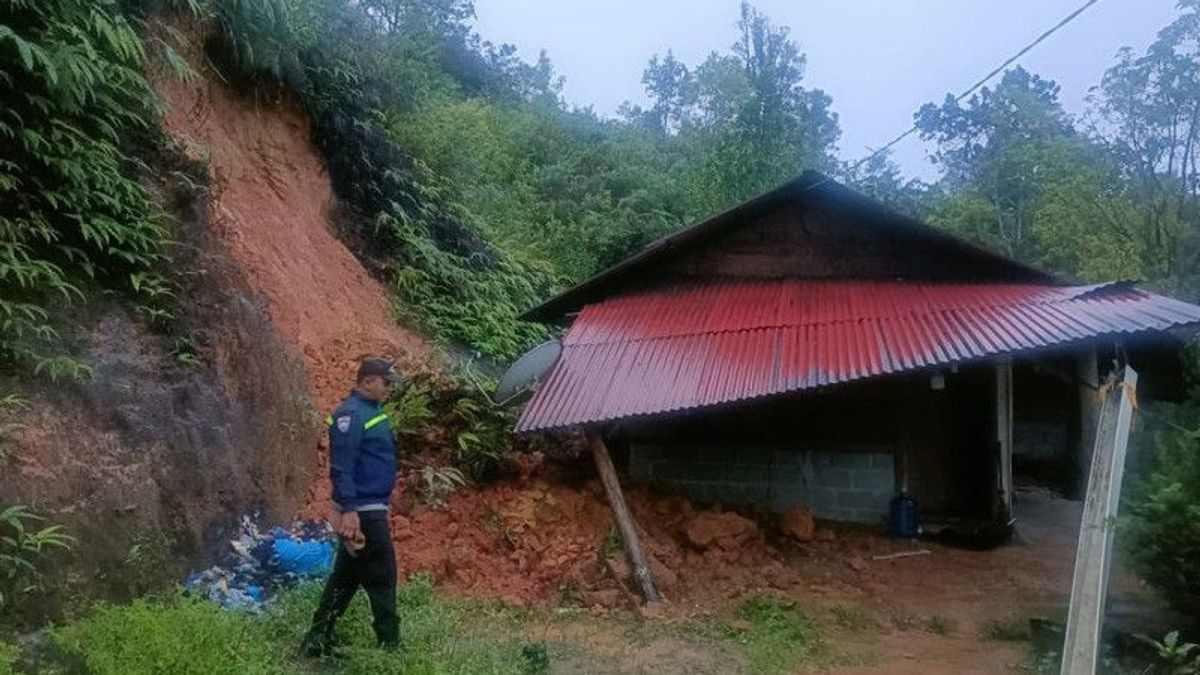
[(186, 636), (780, 637), (8, 656), (189, 636)]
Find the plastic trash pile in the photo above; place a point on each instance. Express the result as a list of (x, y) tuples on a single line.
[(262, 562)]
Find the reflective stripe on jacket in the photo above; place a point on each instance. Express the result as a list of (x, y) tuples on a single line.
[(362, 455)]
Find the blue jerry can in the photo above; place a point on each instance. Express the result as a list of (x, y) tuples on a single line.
[(902, 517)]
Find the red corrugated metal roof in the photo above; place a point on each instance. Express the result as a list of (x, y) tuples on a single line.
[(711, 343)]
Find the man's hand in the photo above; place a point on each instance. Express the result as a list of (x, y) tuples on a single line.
[(349, 527)]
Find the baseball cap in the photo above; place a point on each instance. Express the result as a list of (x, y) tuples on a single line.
[(375, 365)]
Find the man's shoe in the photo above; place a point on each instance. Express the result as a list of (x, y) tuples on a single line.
[(391, 647), (315, 647)]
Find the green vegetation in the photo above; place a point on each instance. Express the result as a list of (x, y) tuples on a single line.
[(1162, 530), (1173, 656), (9, 404), (478, 191), (24, 544), (481, 191), (8, 657), (778, 636), (74, 218), (458, 410), (184, 635), (181, 635), (178, 634)]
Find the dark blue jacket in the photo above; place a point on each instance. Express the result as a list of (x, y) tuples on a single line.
[(362, 455)]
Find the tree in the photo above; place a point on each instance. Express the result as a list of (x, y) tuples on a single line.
[(757, 124), (672, 88), (1148, 113), (989, 146), (879, 177)]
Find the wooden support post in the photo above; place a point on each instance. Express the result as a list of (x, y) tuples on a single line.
[(1002, 511), (616, 499), (1087, 375), (1093, 559)]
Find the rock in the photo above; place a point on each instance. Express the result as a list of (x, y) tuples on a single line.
[(401, 527), (726, 530), (740, 625), (459, 557), (664, 578), (798, 524), (857, 564), (608, 597), (583, 572), (654, 610)]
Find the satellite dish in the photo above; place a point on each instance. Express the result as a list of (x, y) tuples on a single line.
[(526, 371)]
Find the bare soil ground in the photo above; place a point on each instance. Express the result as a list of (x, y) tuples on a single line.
[(948, 611)]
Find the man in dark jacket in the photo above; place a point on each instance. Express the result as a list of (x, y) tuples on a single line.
[(362, 466)]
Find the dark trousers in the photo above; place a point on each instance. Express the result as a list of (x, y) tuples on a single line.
[(374, 569)]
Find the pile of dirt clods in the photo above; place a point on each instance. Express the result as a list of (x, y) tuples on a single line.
[(545, 541)]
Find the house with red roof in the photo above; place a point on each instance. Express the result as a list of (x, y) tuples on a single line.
[(814, 348)]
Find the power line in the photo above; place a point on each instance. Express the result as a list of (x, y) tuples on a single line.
[(998, 69)]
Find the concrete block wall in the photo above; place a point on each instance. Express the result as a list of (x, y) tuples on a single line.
[(848, 486)]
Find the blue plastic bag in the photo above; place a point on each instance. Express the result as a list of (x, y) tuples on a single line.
[(304, 558)]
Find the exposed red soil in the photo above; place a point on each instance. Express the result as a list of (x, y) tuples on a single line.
[(269, 206), (543, 542)]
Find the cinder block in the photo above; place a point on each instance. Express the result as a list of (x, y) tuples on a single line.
[(852, 460), (690, 471), (836, 478), (860, 499), (873, 479), (745, 473), (727, 493), (781, 502), (826, 511), (788, 477), (883, 460), (823, 497)]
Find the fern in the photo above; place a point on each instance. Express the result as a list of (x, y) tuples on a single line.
[(22, 548), (72, 213)]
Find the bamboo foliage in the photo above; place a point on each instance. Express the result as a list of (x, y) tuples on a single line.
[(73, 216)]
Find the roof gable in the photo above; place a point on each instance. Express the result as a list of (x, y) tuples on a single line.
[(811, 227)]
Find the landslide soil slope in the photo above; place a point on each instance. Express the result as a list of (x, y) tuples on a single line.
[(269, 208)]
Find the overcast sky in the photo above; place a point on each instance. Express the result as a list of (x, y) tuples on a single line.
[(878, 59)]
